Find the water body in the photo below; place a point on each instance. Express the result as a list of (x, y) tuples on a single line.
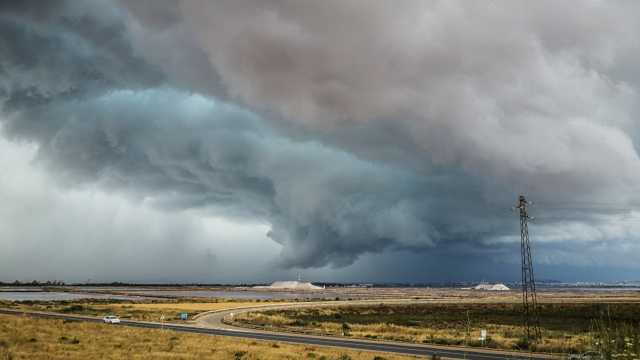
[(57, 296), (602, 289)]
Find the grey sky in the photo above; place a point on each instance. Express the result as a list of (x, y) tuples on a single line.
[(243, 140)]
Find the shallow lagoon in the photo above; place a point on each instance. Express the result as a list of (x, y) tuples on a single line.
[(57, 296)]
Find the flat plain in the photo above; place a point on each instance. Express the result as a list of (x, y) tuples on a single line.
[(572, 320), (31, 338)]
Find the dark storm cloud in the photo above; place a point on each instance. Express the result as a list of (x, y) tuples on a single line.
[(477, 86), (156, 14), (185, 151), (57, 52), (349, 128), (510, 96)]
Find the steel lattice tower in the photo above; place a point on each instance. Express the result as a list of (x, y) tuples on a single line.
[(530, 316)]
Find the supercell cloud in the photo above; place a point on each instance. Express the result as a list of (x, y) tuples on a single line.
[(339, 131)]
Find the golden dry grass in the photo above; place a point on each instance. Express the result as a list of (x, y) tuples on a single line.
[(566, 327), (140, 311), (31, 338), (199, 307), (502, 336)]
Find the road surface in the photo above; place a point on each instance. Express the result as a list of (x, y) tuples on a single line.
[(216, 320), (397, 348)]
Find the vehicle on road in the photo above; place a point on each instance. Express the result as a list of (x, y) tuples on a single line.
[(111, 319)]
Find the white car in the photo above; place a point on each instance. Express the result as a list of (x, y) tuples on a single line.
[(111, 319)]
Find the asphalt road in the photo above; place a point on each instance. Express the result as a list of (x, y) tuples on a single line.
[(398, 348)]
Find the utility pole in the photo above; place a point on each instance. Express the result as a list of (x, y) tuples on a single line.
[(530, 317)]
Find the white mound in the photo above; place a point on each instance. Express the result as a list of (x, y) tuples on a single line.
[(490, 287), (291, 285)]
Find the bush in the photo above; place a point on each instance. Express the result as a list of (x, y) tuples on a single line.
[(73, 308), (522, 343), (239, 355), (66, 340), (345, 329)]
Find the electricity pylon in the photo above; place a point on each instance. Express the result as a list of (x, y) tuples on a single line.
[(530, 317)]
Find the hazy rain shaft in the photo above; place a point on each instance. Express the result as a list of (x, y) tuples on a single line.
[(338, 131)]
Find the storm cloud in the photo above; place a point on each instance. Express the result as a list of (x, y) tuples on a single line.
[(349, 128)]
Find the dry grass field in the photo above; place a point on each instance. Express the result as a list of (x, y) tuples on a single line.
[(566, 327), (200, 307), (134, 310), (572, 320), (31, 338)]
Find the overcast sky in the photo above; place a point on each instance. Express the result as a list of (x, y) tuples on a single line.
[(244, 141)]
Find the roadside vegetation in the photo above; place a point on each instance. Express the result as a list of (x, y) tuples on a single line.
[(31, 338), (566, 327), (620, 341)]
